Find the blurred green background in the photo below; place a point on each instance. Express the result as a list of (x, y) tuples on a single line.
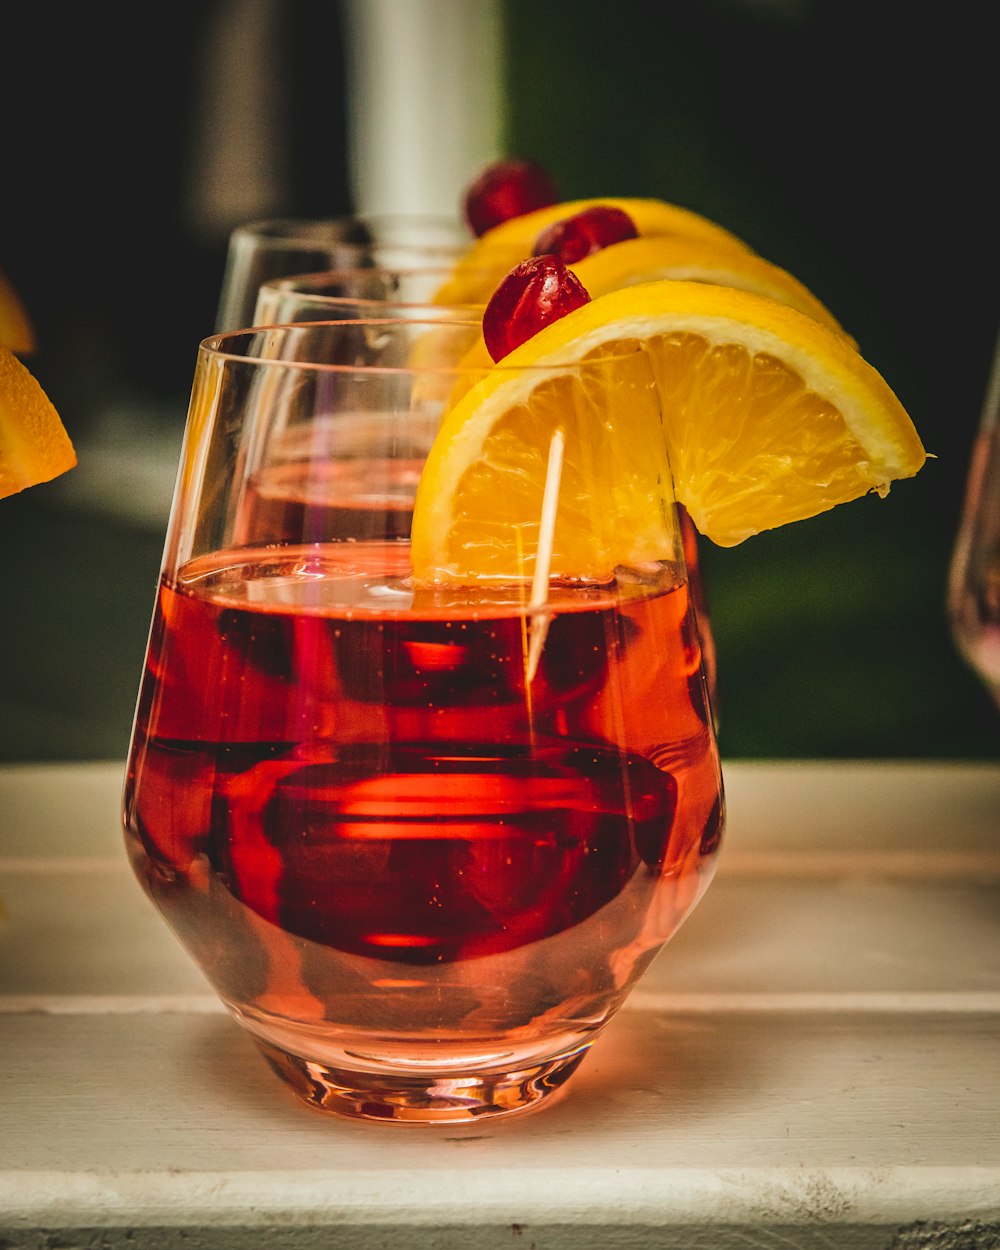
[(845, 142), (848, 143)]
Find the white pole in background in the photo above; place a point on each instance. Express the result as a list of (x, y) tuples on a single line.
[(424, 101)]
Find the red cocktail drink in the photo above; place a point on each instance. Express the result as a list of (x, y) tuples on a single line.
[(422, 838)]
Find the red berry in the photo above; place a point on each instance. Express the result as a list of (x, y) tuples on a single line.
[(535, 292), (507, 189), (575, 237)]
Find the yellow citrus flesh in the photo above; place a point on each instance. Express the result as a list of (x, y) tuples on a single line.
[(768, 417), (480, 508), (34, 445), (477, 273), (16, 329), (691, 260), (650, 216), (647, 259)]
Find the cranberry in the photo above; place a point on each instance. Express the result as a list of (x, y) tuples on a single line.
[(575, 237), (507, 189), (535, 292)]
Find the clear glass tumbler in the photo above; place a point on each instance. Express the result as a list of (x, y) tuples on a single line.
[(422, 839)]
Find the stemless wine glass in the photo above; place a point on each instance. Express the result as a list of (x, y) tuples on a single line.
[(278, 247), (974, 574), (422, 839)]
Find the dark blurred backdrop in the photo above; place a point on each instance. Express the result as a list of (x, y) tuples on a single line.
[(847, 142)]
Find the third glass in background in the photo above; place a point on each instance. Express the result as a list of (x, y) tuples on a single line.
[(974, 577), (261, 250)]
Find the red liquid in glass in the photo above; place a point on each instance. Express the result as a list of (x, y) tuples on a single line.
[(354, 807)]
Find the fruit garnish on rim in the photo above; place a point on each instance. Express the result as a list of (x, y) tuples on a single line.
[(535, 292), (514, 236), (614, 242), (591, 230), (631, 261), (602, 251), (768, 416), (506, 189)]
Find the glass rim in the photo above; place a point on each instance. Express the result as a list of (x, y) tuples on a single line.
[(292, 230), (376, 302), (302, 283), (215, 346)]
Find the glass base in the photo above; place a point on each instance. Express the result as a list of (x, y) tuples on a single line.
[(408, 1098)]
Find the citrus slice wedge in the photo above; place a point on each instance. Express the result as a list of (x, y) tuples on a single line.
[(16, 329), (479, 270), (34, 445), (768, 417), (650, 258)]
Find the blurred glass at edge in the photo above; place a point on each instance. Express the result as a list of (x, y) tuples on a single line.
[(974, 582)]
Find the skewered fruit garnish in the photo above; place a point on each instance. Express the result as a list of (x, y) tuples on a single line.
[(696, 260), (572, 238), (537, 291), (477, 273), (504, 190), (766, 416), (634, 261)]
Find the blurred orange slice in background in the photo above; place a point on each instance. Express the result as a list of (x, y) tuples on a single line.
[(16, 328), (34, 445)]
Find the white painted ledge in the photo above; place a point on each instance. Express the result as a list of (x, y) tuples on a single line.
[(811, 1063)]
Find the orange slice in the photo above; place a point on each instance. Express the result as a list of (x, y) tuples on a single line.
[(16, 329), (477, 273), (647, 259), (651, 258), (34, 445), (768, 417)]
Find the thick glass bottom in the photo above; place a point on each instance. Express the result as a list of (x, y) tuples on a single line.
[(421, 1098)]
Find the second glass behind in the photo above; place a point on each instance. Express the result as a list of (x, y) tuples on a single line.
[(349, 293), (423, 837)]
